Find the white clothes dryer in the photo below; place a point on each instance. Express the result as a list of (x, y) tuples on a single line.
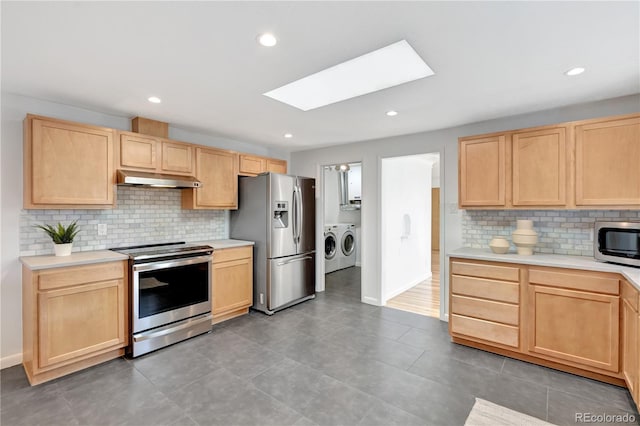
[(347, 245), (331, 249)]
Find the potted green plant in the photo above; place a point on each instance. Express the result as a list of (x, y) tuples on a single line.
[(62, 236)]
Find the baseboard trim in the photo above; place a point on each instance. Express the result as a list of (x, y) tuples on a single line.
[(10, 361), (371, 301)]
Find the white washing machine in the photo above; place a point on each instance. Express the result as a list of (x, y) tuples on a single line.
[(347, 238), (344, 235), (331, 249)]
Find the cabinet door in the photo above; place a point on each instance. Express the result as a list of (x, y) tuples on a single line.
[(574, 326), (232, 286), (277, 166), (177, 158), (251, 165), (138, 152), (539, 167), (76, 321), (482, 172), (630, 342), (67, 164), (218, 172), (607, 158)]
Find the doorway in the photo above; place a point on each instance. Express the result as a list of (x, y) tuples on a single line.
[(410, 230), (342, 197)]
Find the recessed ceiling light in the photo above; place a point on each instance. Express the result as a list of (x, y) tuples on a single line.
[(288, 135), (154, 100), (267, 39), (575, 71), (392, 113), (390, 66)]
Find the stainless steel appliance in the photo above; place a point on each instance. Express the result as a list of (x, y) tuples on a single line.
[(156, 180), (170, 293), (617, 242), (278, 213)]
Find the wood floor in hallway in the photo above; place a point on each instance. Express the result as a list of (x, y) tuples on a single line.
[(424, 298)]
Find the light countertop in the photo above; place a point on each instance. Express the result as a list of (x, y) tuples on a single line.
[(100, 256), (225, 244), (77, 258), (553, 260)]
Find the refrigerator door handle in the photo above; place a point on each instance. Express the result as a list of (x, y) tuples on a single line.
[(300, 213), (300, 259), (294, 212)]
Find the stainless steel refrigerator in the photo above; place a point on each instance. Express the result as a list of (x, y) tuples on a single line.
[(278, 213)]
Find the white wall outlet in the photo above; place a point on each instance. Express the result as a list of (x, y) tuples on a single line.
[(453, 208), (102, 229)]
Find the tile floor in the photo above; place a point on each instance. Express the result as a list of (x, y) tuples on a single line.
[(330, 361)]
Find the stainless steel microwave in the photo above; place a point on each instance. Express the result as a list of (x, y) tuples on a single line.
[(617, 242)]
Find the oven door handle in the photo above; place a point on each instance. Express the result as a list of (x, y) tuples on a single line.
[(164, 264), (168, 330)]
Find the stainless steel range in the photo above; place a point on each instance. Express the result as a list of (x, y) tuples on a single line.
[(170, 293)]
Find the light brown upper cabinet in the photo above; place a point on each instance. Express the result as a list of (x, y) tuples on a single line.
[(482, 171), (276, 166), (154, 155), (539, 167), (253, 165), (607, 163), (580, 164), (218, 171), (67, 165)]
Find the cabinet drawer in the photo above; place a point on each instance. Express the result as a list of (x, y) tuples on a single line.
[(592, 281), (505, 313), (485, 330), (482, 270), (630, 294), (225, 255), (64, 277), (500, 291)]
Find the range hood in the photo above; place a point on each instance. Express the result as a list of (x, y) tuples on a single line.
[(156, 180)]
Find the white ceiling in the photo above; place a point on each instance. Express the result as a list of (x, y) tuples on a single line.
[(491, 59)]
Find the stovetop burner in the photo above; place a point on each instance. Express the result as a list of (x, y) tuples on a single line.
[(173, 249)]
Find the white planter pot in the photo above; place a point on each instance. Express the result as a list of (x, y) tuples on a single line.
[(62, 249)]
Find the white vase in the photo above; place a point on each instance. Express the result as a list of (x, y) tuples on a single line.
[(499, 245), (524, 237), (62, 249)]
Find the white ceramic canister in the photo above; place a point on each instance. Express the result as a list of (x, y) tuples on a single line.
[(499, 245), (524, 237)]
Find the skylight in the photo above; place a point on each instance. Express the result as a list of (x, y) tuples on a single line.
[(390, 66)]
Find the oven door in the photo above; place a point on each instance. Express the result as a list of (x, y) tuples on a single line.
[(170, 290)]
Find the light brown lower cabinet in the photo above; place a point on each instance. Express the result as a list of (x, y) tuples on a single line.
[(629, 329), (73, 318), (582, 322), (232, 283)]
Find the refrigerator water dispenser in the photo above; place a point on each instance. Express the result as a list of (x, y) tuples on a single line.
[(281, 214)]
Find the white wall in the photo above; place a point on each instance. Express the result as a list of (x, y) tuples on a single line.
[(370, 153), (435, 174), (14, 110), (406, 223)]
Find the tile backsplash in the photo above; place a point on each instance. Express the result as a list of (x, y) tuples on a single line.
[(142, 216), (559, 231)]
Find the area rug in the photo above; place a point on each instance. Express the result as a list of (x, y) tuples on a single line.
[(485, 413)]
